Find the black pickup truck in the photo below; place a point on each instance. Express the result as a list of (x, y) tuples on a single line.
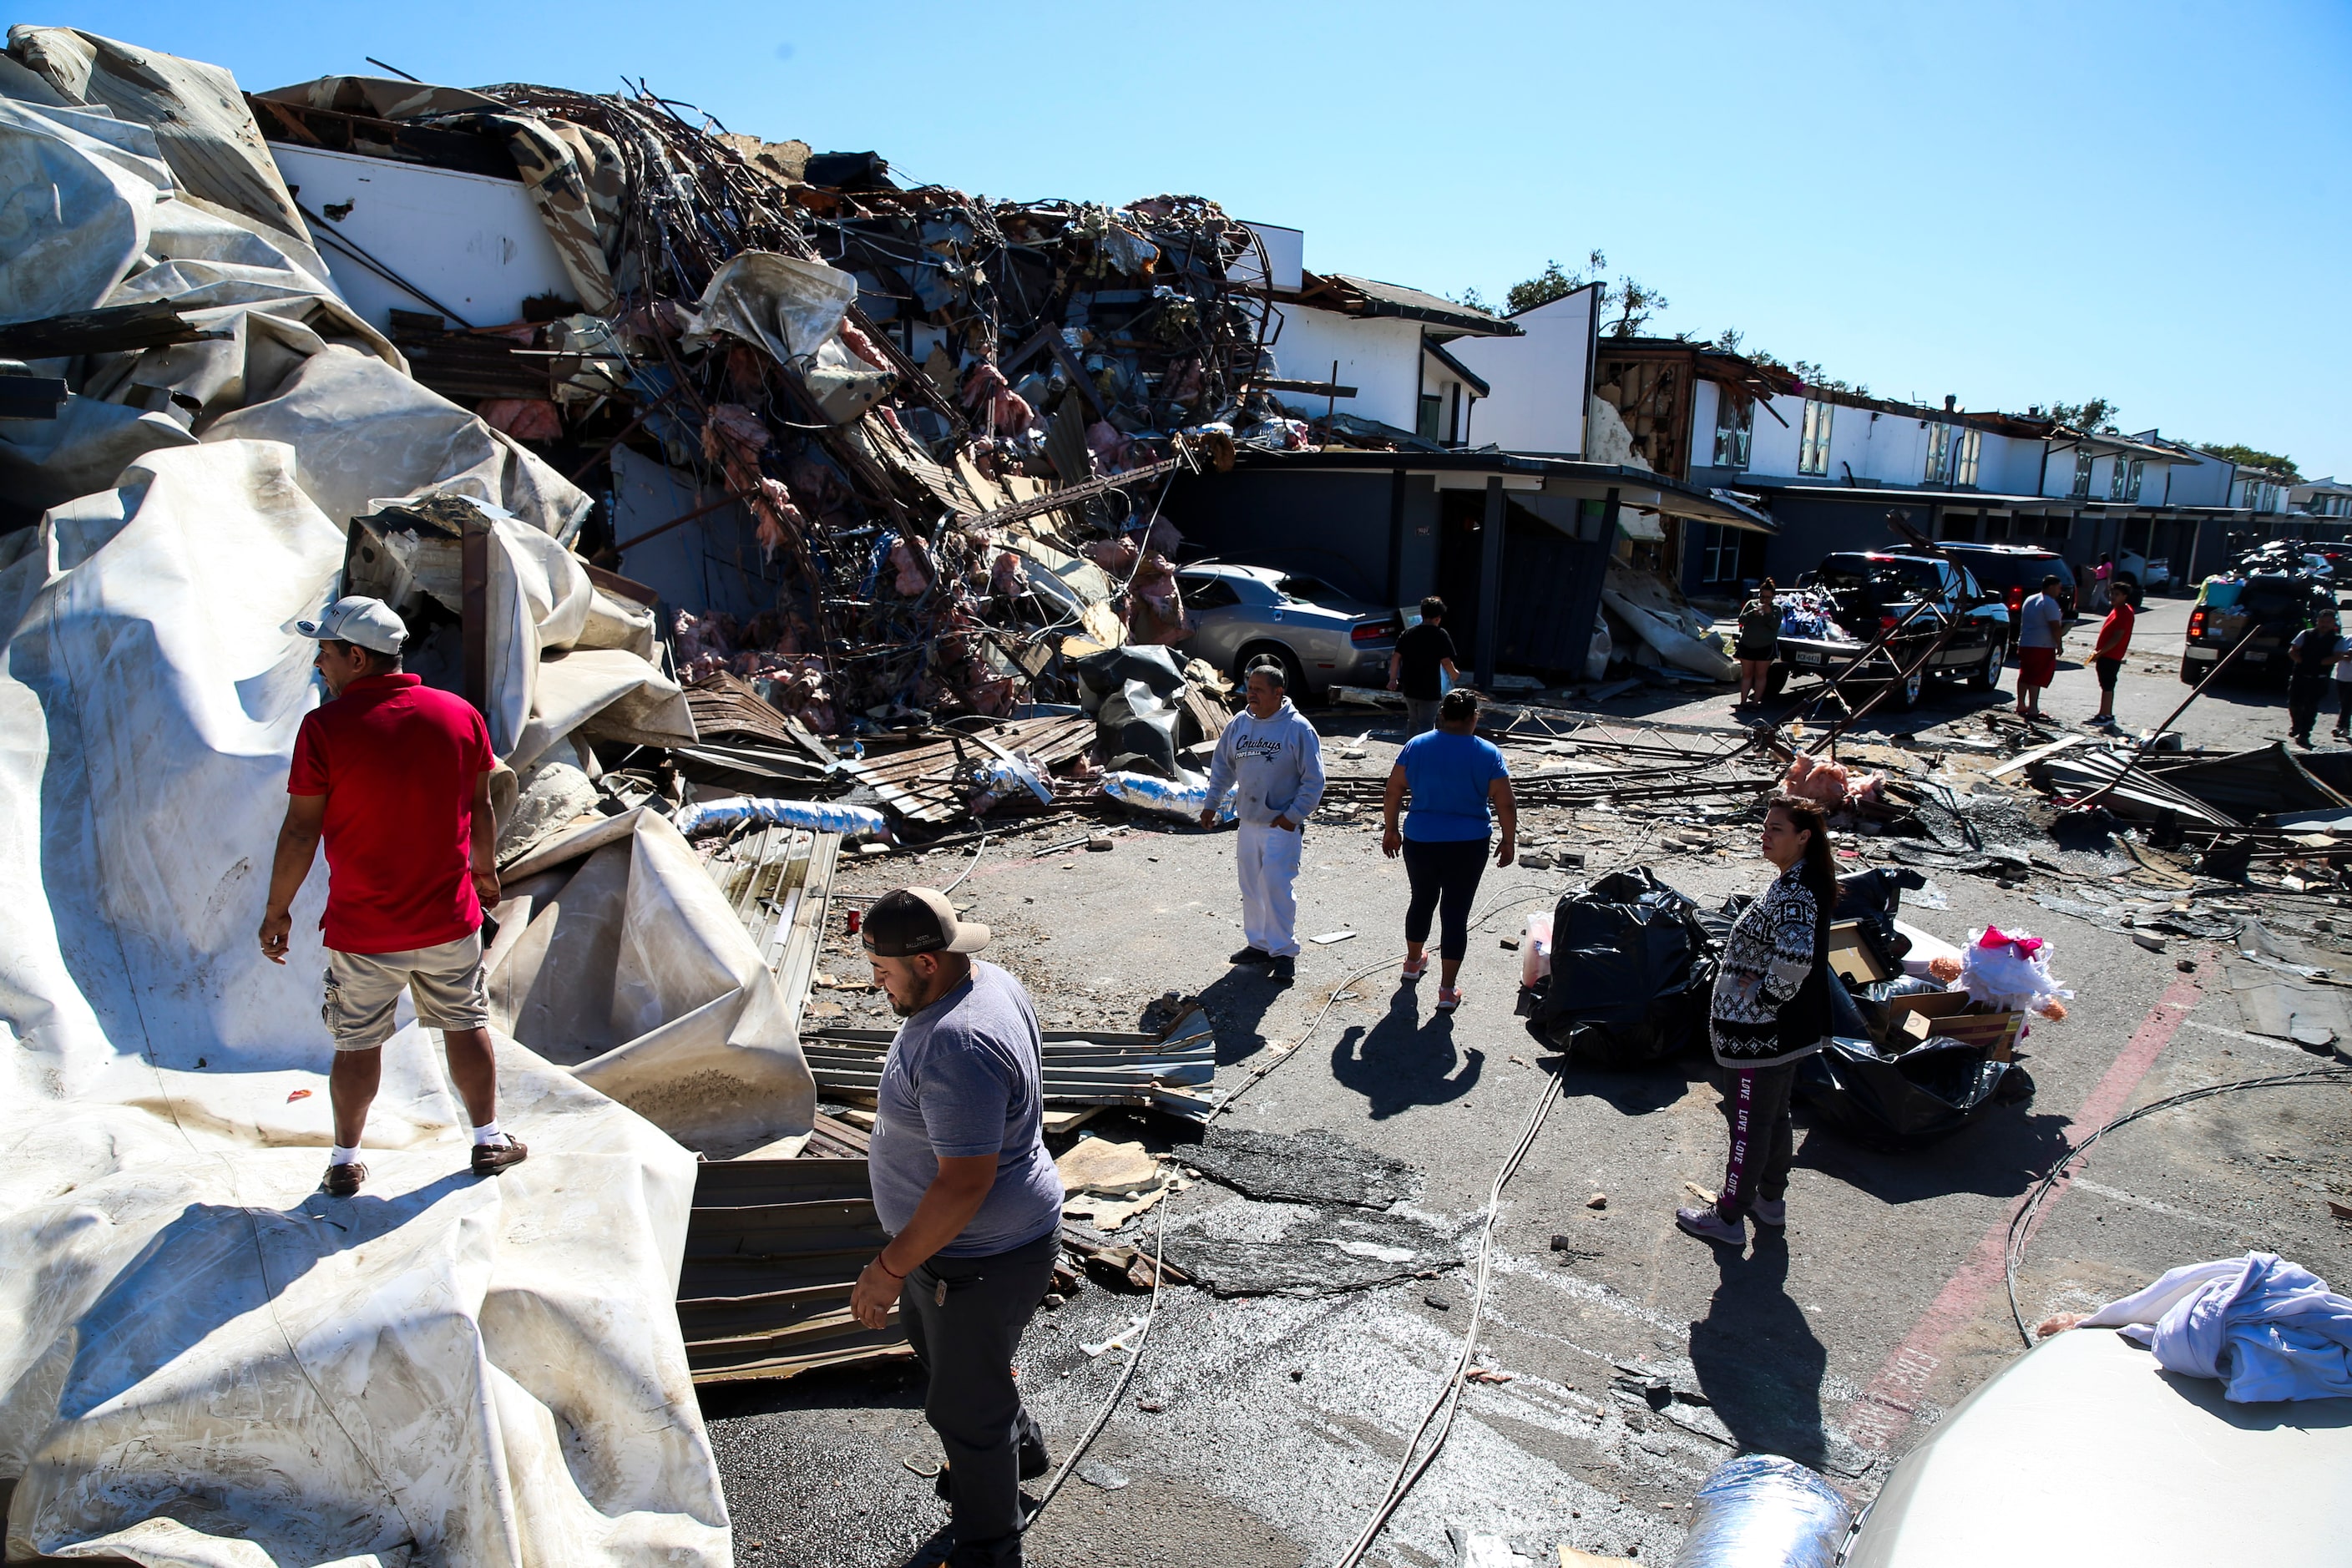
[(1871, 591), (2271, 606)]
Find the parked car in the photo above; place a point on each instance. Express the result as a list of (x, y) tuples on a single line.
[(1324, 638), (2272, 606), (2153, 576), (1878, 591), (2014, 574)]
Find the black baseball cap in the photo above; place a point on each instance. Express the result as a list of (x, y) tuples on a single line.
[(910, 920)]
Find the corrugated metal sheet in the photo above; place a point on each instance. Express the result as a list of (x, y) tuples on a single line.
[(2253, 784), (2141, 794), (772, 1250), (1149, 1072)]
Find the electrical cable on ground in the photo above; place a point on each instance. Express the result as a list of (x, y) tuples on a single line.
[(1417, 1459), (2020, 1225), (1159, 1244), (978, 850), (1410, 1468)]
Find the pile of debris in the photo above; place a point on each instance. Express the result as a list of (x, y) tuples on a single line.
[(927, 408)]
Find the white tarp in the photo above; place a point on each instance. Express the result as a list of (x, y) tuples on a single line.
[(203, 1362), (617, 957)]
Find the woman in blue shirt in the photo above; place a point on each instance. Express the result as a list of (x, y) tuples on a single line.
[(1452, 776)]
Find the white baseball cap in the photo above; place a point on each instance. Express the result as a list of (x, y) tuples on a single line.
[(356, 618)]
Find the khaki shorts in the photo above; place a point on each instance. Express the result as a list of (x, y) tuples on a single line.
[(363, 988)]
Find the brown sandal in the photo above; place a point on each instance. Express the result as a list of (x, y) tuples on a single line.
[(343, 1180), (490, 1158)]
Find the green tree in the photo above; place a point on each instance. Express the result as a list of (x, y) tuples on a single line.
[(2097, 416), (1633, 302), (2252, 457)]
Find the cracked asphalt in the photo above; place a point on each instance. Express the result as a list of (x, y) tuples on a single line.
[(1262, 1428)]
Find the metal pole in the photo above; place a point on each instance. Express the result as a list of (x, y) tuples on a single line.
[(2157, 733), (1490, 582)]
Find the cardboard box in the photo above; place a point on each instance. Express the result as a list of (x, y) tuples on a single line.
[(1853, 958)]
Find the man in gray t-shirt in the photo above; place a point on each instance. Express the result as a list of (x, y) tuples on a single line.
[(973, 1203)]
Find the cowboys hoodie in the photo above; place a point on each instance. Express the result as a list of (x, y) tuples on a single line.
[(1276, 763)]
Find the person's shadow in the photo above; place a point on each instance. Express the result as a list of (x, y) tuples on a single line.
[(1398, 1064), (212, 1264), (1237, 1002), (1756, 1358)]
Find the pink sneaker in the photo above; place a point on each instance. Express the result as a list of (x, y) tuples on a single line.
[(1448, 1000), (1414, 970)]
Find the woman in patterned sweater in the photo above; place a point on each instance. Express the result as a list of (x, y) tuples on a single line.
[(1771, 1010)]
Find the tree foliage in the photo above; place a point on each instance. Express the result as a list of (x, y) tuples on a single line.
[(1633, 302), (2247, 456), (2094, 417)]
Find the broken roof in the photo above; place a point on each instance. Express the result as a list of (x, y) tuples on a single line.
[(1351, 296)]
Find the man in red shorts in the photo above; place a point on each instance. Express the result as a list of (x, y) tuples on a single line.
[(2041, 627), (395, 777)]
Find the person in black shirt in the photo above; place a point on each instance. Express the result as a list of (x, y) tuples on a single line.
[(1421, 653)]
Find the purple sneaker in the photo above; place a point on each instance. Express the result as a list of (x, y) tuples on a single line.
[(1709, 1226)]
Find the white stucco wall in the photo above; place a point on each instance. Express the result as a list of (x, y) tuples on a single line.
[(1380, 356), (1541, 381), (2009, 465), (474, 243)]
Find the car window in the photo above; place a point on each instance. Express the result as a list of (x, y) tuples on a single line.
[(1207, 592), (1306, 590), (1997, 571), (1895, 575)]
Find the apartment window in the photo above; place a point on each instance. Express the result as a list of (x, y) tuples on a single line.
[(1971, 448), (1433, 417), (1730, 555), (1939, 455), (2082, 473), (2118, 479), (2131, 486), (1813, 439), (1735, 423)]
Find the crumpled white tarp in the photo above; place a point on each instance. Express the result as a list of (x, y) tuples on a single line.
[(565, 657), (795, 309), (2266, 1328), (617, 957), (366, 431), (203, 1362)]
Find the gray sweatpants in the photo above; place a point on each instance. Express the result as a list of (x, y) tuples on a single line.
[(965, 1335)]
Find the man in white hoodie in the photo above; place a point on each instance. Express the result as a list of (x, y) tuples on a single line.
[(1272, 754)]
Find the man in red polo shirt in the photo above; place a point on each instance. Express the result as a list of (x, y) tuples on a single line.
[(395, 777)]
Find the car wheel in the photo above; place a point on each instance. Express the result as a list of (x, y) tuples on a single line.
[(1986, 676), (1906, 692), (1776, 680), (1293, 674), (2191, 672)]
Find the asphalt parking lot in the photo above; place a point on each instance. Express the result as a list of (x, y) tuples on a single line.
[(1628, 1359)]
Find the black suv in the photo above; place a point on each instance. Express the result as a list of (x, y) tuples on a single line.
[(2013, 572)]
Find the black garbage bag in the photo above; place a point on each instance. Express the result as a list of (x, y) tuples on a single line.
[(1904, 1101), (1138, 731), (1874, 898), (1100, 675), (1631, 969)]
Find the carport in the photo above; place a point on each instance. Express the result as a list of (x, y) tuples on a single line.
[(1516, 545)]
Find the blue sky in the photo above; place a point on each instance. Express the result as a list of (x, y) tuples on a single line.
[(2004, 202)]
